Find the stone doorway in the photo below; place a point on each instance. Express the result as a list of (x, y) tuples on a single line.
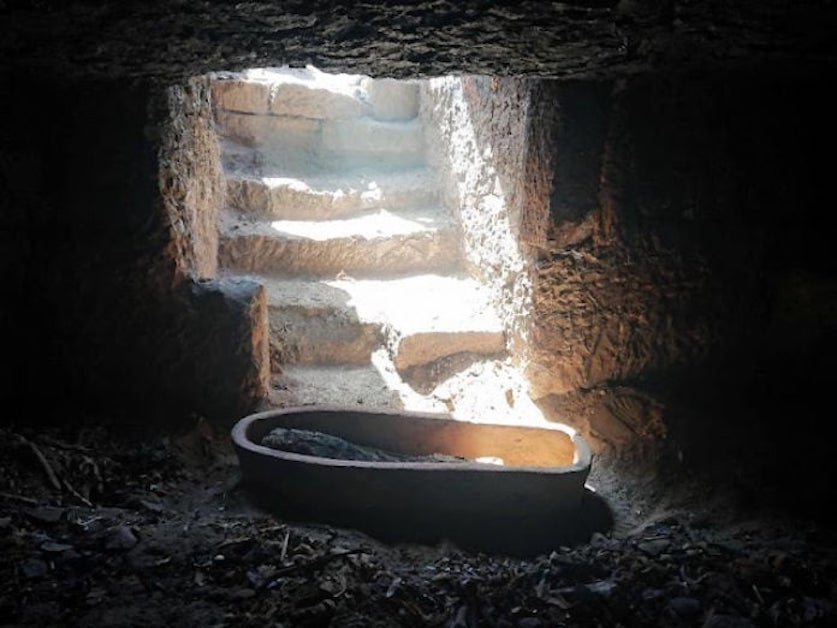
[(346, 198)]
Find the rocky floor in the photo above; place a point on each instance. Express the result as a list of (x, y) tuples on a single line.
[(115, 527)]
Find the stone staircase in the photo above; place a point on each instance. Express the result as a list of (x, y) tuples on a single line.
[(332, 206)]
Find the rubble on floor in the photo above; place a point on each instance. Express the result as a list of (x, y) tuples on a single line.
[(103, 528)]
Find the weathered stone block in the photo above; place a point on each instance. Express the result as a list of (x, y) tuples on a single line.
[(325, 336), (392, 99), (241, 95), (365, 138), (329, 197), (279, 132), (415, 349), (291, 99), (225, 356), (262, 247)]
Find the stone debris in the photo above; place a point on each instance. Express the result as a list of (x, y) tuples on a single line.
[(34, 568), (211, 558), (122, 538)]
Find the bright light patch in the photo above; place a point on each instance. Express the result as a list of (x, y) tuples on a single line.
[(373, 225), (490, 460), (333, 174), (288, 182), (309, 76)]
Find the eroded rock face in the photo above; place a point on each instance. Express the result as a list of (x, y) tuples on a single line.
[(227, 340), (533, 171), (667, 205), (119, 228), (477, 136), (578, 39), (602, 315), (612, 417), (190, 176)]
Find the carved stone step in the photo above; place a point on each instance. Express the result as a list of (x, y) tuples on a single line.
[(379, 243), (417, 319), (323, 195)]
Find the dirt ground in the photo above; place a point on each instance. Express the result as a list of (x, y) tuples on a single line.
[(129, 526)]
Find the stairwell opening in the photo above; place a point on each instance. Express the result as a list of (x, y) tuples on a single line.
[(386, 231)]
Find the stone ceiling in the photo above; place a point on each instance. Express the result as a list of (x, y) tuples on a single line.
[(170, 39)]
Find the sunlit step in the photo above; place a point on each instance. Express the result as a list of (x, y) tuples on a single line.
[(366, 140), (489, 390), (309, 323), (295, 93), (339, 385), (312, 94), (381, 242), (284, 142), (418, 319), (320, 196)]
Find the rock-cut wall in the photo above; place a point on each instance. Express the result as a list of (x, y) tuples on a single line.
[(658, 232), (686, 253), (115, 245), (678, 206), (191, 181), (477, 138)]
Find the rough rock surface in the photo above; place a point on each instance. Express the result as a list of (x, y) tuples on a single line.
[(664, 221), (190, 177), (611, 317), (119, 235), (229, 328), (578, 39), (322, 196), (477, 138), (413, 241)]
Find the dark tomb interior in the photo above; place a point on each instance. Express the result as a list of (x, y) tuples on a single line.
[(641, 189)]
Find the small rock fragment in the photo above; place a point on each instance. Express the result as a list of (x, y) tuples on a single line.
[(727, 621), (684, 606), (55, 548), (122, 538), (602, 587), (152, 505), (34, 568), (242, 594), (654, 547), (46, 514)]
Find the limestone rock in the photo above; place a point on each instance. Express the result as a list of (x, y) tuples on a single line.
[(235, 94), (392, 99)]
